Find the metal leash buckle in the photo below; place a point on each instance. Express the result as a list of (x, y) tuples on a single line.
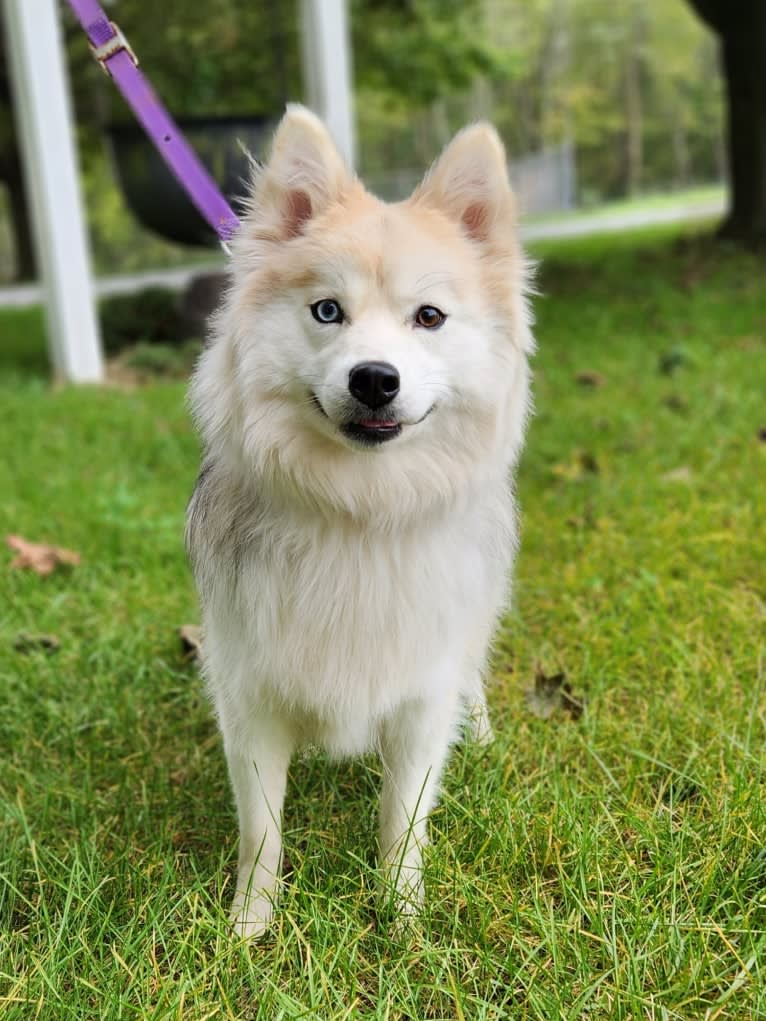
[(116, 44)]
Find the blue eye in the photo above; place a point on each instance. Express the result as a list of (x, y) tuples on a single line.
[(327, 310)]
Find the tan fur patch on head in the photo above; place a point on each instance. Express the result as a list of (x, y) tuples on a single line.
[(380, 241), (313, 222)]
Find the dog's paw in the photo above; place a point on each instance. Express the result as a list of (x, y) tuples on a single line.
[(250, 918), (402, 891), (402, 911), (408, 901), (479, 727)]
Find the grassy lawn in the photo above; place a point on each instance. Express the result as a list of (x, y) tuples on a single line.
[(612, 866), (701, 195)]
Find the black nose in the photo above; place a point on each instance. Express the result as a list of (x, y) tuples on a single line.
[(374, 383)]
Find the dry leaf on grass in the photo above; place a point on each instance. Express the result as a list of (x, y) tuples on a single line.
[(749, 343), (39, 556), (552, 693), (676, 402), (25, 642), (580, 464), (670, 361), (191, 640), (682, 474), (589, 378)]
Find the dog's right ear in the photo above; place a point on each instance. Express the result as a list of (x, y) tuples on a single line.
[(305, 175), (469, 182)]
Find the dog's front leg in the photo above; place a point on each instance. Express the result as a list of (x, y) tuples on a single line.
[(258, 758), (414, 746)]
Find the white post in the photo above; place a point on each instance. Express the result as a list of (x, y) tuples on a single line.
[(50, 162), (327, 69)]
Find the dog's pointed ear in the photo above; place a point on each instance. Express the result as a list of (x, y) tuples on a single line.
[(469, 182), (304, 175)]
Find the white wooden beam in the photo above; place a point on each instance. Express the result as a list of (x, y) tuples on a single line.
[(327, 69), (50, 162)]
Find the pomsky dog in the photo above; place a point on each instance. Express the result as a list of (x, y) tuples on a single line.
[(362, 405)]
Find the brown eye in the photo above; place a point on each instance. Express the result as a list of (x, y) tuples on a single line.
[(429, 317)]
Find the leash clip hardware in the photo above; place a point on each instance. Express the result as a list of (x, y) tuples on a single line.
[(116, 44)]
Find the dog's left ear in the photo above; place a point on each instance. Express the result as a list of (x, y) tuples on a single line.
[(469, 182), (305, 174)]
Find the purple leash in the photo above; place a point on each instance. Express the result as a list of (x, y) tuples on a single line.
[(112, 50)]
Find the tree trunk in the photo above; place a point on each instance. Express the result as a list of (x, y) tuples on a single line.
[(680, 150), (634, 116), (741, 25), (554, 111), (744, 57), (634, 147)]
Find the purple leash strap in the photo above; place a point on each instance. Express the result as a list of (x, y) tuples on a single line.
[(112, 50)]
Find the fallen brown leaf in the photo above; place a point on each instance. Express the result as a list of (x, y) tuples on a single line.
[(589, 378), (39, 556), (28, 643), (676, 402), (682, 474), (752, 343), (580, 464), (551, 693), (191, 640), (670, 361)]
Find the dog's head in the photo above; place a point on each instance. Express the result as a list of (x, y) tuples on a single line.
[(371, 353)]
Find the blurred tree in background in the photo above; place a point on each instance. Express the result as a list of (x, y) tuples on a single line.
[(741, 26), (633, 86)]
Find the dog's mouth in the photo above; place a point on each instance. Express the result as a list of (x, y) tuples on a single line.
[(369, 428), (372, 431)]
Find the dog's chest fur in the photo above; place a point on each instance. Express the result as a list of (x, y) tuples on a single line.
[(338, 623)]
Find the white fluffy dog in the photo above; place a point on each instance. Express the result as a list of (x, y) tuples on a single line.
[(362, 406)]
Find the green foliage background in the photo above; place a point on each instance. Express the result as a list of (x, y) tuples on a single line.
[(634, 86), (543, 70)]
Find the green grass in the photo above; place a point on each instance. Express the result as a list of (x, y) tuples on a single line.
[(23, 351), (613, 867), (700, 195)]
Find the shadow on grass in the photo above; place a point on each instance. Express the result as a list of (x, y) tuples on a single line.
[(23, 344)]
